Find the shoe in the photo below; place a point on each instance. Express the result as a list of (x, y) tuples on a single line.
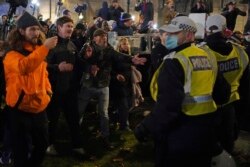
[(51, 150), (107, 143), (5, 159), (79, 151), (81, 121)]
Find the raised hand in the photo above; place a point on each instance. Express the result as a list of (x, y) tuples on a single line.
[(50, 43), (138, 60)]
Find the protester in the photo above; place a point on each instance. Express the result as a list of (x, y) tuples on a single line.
[(28, 90), (231, 12), (62, 65)]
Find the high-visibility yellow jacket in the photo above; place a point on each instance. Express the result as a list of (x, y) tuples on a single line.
[(200, 71), (27, 74), (232, 67)]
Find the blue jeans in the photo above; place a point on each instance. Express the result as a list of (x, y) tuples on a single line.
[(102, 95)]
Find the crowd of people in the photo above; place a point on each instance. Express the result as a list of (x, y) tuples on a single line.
[(201, 90)]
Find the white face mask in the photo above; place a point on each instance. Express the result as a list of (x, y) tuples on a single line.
[(247, 38)]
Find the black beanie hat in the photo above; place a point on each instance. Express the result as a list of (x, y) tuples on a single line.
[(43, 23), (99, 32), (81, 26), (27, 20)]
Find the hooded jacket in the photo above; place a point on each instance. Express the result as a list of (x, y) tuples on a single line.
[(27, 74)]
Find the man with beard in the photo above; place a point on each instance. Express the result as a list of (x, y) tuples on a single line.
[(28, 90), (63, 78)]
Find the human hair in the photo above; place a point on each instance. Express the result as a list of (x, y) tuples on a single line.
[(3, 47), (105, 26), (121, 41), (16, 39), (62, 20)]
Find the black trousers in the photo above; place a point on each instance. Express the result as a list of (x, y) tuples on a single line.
[(66, 103), (227, 130), (191, 142), (29, 133)]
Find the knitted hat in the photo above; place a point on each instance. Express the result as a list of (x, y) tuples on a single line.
[(43, 23), (27, 20), (99, 32), (65, 12), (125, 17), (80, 26)]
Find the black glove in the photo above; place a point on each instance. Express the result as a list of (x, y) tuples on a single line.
[(141, 133)]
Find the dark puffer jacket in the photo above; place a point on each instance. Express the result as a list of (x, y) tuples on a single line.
[(62, 82), (104, 59)]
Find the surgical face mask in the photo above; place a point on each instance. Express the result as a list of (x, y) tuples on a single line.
[(171, 42), (247, 38)]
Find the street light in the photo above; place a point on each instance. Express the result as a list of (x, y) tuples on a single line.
[(128, 5), (80, 16), (58, 8), (35, 5), (155, 26), (133, 17)]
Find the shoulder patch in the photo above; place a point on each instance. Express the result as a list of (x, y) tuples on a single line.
[(201, 44), (236, 44)]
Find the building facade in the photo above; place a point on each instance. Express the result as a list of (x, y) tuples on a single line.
[(51, 9)]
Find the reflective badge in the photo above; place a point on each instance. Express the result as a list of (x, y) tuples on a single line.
[(229, 65), (200, 63)]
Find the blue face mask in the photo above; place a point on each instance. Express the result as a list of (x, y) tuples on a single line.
[(171, 42)]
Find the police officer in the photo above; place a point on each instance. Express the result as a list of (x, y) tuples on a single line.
[(182, 124), (233, 63)]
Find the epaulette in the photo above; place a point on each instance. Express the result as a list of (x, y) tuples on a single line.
[(236, 44), (169, 56), (201, 44)]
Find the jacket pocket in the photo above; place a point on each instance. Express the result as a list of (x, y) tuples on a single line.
[(34, 103)]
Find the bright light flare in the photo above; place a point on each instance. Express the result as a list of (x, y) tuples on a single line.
[(155, 26), (133, 17)]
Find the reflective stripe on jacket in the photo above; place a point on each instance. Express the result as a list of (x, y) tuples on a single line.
[(27, 74), (200, 70)]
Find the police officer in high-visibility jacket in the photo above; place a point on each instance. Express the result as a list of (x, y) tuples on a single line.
[(183, 122), (234, 64)]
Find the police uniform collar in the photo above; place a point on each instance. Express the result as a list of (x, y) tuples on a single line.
[(172, 52), (169, 55), (219, 44), (181, 47)]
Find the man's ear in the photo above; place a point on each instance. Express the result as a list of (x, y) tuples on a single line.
[(190, 36), (58, 27)]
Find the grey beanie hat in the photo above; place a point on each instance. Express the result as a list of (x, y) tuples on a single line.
[(27, 20)]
